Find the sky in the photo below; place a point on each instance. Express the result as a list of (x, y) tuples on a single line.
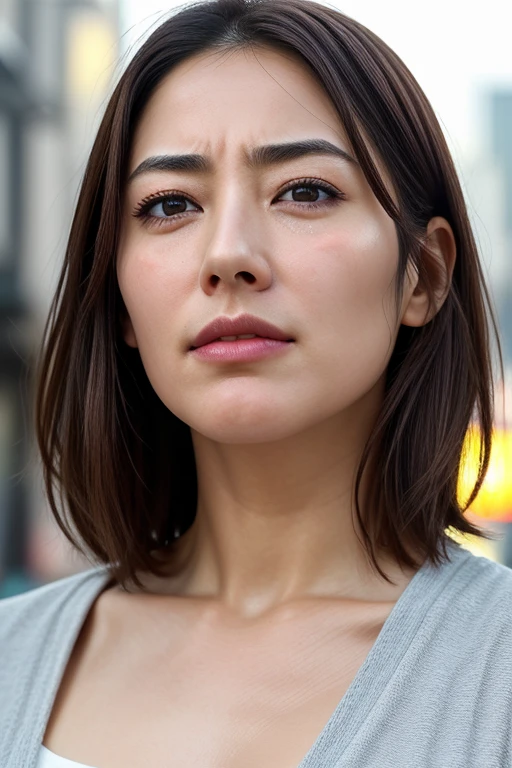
[(456, 49)]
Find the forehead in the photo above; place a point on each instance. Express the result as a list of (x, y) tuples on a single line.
[(226, 101), (222, 104)]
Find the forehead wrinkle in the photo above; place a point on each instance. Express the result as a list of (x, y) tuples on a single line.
[(254, 158)]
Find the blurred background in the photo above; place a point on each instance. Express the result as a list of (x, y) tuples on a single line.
[(58, 62)]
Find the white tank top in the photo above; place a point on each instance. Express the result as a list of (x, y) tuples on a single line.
[(47, 759)]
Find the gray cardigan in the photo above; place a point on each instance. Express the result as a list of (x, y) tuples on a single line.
[(434, 692)]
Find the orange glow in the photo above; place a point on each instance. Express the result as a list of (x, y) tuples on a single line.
[(494, 500)]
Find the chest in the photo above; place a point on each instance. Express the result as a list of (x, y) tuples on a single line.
[(207, 696)]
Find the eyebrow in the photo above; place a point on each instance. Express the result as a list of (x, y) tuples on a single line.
[(259, 157)]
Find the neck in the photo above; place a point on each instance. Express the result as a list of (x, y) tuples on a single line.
[(275, 523)]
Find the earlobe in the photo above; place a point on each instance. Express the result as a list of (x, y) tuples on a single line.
[(127, 330), (424, 298), (416, 312)]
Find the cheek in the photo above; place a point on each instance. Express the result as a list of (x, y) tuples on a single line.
[(351, 274), (152, 285), (348, 298)]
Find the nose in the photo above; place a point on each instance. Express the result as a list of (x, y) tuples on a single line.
[(236, 255)]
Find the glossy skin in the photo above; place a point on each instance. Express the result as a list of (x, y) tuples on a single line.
[(277, 607)]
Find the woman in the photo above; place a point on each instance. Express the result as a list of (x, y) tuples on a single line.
[(266, 348)]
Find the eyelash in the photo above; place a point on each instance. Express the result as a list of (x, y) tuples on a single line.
[(142, 209)]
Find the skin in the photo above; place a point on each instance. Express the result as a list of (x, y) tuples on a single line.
[(277, 607), (277, 441)]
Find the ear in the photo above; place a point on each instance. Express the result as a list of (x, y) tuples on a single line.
[(127, 330), (439, 261)]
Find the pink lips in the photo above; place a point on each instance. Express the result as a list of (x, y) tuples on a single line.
[(268, 340)]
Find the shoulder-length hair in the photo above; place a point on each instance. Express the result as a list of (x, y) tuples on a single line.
[(119, 467)]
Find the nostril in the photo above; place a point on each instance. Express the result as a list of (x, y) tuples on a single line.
[(247, 276)]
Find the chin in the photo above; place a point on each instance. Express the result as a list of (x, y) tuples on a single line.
[(238, 412), (241, 428), (256, 421)]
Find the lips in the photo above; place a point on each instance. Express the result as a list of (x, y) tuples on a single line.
[(238, 326)]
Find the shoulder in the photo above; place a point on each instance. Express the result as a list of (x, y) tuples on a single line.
[(485, 580), (473, 607), (465, 603), (37, 632), (26, 616)]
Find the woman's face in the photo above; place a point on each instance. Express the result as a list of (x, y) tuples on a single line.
[(295, 238)]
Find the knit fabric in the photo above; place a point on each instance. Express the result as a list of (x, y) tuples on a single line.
[(435, 690)]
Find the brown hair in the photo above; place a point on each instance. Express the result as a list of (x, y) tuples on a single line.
[(119, 467)]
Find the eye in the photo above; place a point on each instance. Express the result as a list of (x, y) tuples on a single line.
[(310, 193), (165, 207), (305, 193)]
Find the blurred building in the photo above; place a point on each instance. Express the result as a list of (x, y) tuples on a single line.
[(500, 114), (57, 61), (500, 139), (488, 188)]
